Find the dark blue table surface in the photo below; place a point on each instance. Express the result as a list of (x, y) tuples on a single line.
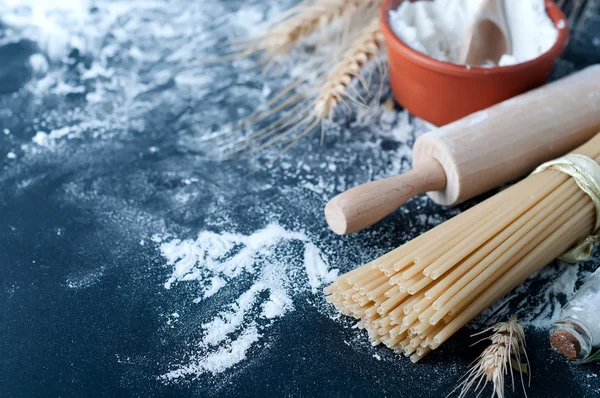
[(104, 149)]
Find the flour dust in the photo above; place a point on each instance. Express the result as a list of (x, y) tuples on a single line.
[(215, 261)]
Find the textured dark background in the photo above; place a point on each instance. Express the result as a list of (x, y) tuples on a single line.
[(74, 209)]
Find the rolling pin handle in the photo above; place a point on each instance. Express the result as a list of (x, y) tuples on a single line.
[(364, 205)]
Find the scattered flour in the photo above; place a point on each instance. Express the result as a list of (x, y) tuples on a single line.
[(316, 268), (438, 28), (44, 21), (558, 283), (216, 283), (215, 261), (39, 64), (192, 260), (52, 140), (220, 360), (48, 140), (83, 280)]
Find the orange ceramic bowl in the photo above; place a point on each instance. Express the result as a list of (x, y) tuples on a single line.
[(442, 92)]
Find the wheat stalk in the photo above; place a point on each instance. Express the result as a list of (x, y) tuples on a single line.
[(305, 19), (367, 46), (336, 88), (498, 359), (285, 31)]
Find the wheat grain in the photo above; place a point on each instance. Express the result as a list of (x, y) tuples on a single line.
[(305, 19), (498, 359), (307, 105), (335, 89), (367, 46)]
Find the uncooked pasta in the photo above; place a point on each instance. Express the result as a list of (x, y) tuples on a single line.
[(417, 296)]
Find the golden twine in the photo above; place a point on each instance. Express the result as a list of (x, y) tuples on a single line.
[(586, 173)]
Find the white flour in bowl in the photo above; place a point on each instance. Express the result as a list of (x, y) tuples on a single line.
[(437, 28)]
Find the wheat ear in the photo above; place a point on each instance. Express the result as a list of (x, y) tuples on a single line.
[(498, 359), (304, 20), (336, 89), (366, 46)]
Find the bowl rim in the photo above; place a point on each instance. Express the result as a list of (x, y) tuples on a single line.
[(395, 44)]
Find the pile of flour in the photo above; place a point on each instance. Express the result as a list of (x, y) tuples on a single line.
[(438, 28)]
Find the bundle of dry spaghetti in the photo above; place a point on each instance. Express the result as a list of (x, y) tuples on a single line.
[(418, 295)]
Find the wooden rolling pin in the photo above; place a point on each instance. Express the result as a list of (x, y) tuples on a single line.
[(481, 151)]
